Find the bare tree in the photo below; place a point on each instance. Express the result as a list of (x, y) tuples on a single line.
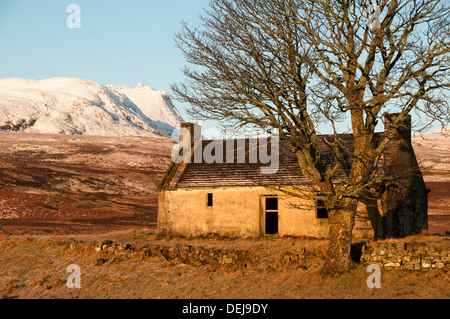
[(295, 64)]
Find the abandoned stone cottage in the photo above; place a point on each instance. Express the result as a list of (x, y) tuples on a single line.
[(235, 199)]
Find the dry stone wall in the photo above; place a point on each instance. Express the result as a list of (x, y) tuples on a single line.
[(408, 256), (390, 255), (202, 256), (187, 254)]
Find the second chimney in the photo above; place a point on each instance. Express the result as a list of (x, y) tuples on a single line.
[(402, 128)]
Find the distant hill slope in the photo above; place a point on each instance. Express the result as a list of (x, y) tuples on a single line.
[(433, 153), (55, 183), (82, 107)]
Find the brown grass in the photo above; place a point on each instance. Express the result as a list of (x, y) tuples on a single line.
[(36, 268)]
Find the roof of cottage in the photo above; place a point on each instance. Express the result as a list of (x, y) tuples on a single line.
[(244, 171)]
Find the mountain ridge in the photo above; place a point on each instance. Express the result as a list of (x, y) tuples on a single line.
[(82, 107)]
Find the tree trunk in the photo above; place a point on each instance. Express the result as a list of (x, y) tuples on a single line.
[(341, 226)]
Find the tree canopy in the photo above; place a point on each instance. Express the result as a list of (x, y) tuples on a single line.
[(292, 65)]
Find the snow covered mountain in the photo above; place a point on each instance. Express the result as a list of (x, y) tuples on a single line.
[(75, 106)]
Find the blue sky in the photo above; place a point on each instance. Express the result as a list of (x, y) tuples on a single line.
[(119, 42)]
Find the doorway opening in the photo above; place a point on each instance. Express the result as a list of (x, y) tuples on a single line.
[(271, 215)]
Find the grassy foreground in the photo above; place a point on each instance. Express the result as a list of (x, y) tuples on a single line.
[(36, 267)]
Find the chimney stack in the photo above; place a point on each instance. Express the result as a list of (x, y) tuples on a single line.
[(402, 128), (190, 139), (190, 131)]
